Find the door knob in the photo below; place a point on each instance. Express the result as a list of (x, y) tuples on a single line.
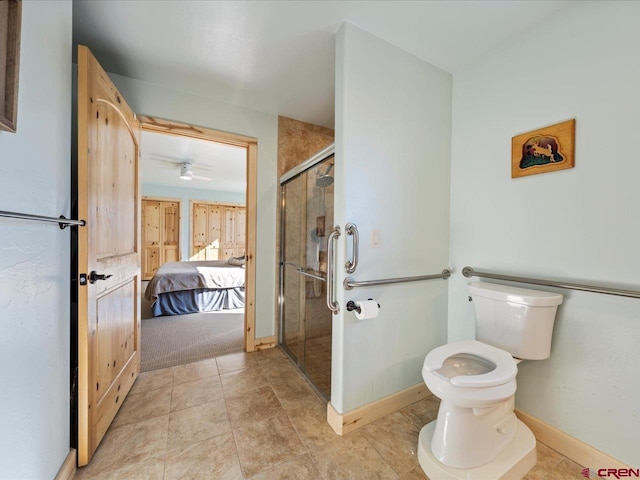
[(95, 276)]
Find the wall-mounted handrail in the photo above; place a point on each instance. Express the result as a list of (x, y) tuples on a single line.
[(331, 301), (470, 272), (62, 221), (350, 283), (351, 229)]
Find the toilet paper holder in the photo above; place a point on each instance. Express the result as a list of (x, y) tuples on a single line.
[(351, 305)]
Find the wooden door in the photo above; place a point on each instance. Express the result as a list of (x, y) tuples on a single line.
[(214, 232), (199, 231), (241, 232), (108, 306), (170, 232), (229, 232), (151, 236)]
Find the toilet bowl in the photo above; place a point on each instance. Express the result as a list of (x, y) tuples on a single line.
[(476, 384), (476, 434)]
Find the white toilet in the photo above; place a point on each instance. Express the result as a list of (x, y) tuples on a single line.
[(476, 434)]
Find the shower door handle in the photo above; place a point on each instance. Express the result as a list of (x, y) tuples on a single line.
[(351, 229), (331, 301)]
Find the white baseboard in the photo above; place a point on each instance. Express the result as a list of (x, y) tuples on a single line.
[(68, 468), (343, 423), (572, 448)]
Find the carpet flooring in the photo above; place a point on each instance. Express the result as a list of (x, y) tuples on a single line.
[(180, 339)]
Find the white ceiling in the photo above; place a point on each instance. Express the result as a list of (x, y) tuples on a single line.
[(278, 56), (274, 56), (162, 155)]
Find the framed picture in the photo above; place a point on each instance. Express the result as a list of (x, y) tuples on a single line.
[(543, 150), (10, 19)]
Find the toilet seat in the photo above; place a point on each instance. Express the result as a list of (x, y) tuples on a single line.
[(505, 366)]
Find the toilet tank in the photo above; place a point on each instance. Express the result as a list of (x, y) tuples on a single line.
[(517, 320)]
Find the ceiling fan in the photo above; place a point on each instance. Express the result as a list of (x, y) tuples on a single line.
[(186, 172), (172, 164)]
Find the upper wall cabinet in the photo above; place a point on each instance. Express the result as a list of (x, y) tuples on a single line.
[(10, 19)]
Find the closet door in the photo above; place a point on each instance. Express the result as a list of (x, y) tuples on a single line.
[(229, 233), (199, 222), (214, 232), (150, 238), (170, 232), (241, 231)]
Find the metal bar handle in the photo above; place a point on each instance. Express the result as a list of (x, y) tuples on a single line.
[(350, 283), (470, 272), (331, 302), (351, 229), (304, 272), (62, 221)]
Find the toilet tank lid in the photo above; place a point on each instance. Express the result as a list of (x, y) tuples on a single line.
[(523, 296)]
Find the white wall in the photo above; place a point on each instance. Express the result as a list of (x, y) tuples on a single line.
[(150, 99), (187, 195), (581, 224), (392, 175), (34, 257)]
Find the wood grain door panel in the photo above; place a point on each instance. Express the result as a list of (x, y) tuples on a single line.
[(108, 197)]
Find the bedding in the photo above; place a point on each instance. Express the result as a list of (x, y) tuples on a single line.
[(189, 287)]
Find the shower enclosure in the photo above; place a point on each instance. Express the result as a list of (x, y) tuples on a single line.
[(306, 221)]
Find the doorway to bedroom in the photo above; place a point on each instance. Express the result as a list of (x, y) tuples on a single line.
[(198, 234)]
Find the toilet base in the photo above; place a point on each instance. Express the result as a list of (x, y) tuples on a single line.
[(513, 463)]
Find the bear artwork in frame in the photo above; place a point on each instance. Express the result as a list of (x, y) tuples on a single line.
[(543, 150)]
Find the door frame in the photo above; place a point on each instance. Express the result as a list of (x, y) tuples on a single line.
[(158, 125)]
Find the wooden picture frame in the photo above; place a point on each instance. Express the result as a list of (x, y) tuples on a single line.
[(543, 150), (10, 22)]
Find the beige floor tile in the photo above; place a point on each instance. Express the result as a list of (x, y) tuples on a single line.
[(270, 354), (283, 374), (195, 371), (235, 362), (194, 393), (242, 381), (144, 405), (300, 468), (263, 445), (148, 381), (422, 412), (396, 440), (311, 423), (295, 394), (152, 469), (563, 470), (351, 458), (254, 406), (129, 444), (196, 424), (415, 474), (215, 458)]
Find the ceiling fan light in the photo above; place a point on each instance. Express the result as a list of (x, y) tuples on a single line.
[(185, 171)]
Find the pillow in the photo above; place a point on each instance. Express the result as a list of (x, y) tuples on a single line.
[(236, 261)]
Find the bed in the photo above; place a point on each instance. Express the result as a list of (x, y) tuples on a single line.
[(191, 287)]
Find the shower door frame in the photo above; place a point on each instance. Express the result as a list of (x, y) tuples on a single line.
[(308, 164)]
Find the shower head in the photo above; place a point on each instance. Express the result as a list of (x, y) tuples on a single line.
[(325, 179)]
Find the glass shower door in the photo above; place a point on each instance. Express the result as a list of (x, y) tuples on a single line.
[(305, 320)]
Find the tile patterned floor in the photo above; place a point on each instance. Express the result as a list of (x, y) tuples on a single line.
[(253, 416)]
